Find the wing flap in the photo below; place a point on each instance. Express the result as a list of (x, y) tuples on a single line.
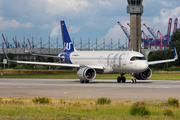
[(47, 56)]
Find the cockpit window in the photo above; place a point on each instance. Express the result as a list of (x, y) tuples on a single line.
[(137, 58)]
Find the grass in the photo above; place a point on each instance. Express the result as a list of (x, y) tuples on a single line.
[(162, 76), (70, 74), (70, 109)]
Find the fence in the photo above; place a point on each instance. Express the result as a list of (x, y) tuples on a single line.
[(56, 47)]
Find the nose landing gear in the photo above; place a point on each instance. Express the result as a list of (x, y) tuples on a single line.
[(133, 79)]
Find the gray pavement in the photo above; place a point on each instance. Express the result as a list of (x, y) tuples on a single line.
[(72, 88)]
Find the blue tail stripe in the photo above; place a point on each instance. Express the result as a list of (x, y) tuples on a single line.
[(67, 43)]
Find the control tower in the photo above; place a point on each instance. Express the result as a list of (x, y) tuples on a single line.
[(135, 9)]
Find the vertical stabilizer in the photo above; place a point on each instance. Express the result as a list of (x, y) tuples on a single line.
[(67, 43)]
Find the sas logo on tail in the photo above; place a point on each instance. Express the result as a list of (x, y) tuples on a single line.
[(67, 46)]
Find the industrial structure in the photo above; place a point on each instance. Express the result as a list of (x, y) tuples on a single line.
[(155, 40)]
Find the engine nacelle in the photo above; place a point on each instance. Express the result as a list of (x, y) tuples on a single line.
[(144, 75), (86, 73)]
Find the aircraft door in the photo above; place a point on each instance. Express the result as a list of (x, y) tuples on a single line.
[(124, 58)]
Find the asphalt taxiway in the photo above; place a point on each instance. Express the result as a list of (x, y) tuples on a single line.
[(72, 88)]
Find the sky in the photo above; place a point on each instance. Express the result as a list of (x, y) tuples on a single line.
[(86, 18)]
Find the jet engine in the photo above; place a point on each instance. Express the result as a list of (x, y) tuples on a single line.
[(144, 75), (86, 73)]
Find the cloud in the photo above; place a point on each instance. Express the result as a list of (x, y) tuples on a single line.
[(104, 3), (13, 24), (166, 14), (68, 7), (1, 19), (165, 3), (74, 29), (55, 32), (26, 25), (114, 33), (9, 23), (45, 26)]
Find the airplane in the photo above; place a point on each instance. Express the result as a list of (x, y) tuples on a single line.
[(90, 63)]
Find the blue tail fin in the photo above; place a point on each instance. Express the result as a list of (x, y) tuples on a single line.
[(67, 43)]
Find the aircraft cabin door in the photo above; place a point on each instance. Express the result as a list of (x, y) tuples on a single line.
[(124, 58)]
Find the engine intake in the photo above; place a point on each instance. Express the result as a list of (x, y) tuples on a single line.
[(86, 73), (144, 75)]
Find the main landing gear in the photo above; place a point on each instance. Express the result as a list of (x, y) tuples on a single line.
[(82, 81), (133, 79), (121, 79)]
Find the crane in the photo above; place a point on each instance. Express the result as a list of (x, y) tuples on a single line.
[(4, 40), (147, 40), (144, 38), (15, 43), (29, 42), (169, 28), (159, 40), (167, 37), (125, 30), (153, 34), (175, 25), (151, 31)]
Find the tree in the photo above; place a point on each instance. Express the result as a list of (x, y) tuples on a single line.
[(50, 59), (38, 59), (161, 55), (175, 42), (10, 56)]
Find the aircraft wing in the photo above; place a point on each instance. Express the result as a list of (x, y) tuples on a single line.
[(47, 56), (164, 61), (53, 64)]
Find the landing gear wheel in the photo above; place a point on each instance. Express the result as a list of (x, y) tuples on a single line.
[(81, 81), (87, 81), (135, 81), (123, 79), (132, 81), (119, 79)]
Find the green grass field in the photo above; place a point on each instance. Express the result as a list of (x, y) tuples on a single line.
[(78, 109), (162, 76)]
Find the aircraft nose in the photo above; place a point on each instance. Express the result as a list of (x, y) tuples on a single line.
[(144, 65)]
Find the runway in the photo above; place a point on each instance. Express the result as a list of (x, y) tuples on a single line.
[(73, 89)]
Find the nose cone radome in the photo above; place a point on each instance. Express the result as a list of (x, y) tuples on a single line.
[(144, 65)]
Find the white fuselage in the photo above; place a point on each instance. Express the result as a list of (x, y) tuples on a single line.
[(112, 61)]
